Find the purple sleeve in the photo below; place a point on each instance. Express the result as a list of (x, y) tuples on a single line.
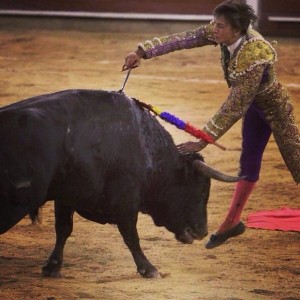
[(199, 37)]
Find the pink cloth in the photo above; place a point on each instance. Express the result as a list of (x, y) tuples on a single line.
[(285, 219)]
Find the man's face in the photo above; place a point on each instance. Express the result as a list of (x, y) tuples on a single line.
[(224, 33)]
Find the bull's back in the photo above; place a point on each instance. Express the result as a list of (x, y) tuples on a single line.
[(79, 136)]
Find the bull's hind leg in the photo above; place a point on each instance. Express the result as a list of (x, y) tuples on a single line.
[(63, 228)]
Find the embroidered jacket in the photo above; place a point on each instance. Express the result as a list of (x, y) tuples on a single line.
[(250, 74)]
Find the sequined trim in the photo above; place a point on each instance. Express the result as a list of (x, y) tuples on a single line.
[(253, 52)]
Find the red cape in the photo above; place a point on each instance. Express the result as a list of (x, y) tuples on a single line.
[(285, 219)]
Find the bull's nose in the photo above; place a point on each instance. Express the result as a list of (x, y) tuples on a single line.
[(201, 234), (189, 235)]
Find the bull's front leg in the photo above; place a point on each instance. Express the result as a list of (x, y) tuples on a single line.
[(123, 195), (63, 228), (129, 233)]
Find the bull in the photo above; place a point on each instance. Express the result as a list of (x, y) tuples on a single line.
[(99, 154)]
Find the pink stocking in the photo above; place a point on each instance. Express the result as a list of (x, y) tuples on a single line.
[(241, 194)]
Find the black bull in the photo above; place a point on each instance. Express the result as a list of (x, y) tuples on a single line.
[(99, 154)]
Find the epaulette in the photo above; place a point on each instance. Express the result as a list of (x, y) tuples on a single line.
[(253, 52)]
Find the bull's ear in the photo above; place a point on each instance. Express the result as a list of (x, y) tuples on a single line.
[(187, 160), (210, 172)]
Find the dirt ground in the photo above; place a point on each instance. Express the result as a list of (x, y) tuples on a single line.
[(260, 264)]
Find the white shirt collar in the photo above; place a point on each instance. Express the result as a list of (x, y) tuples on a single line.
[(232, 47)]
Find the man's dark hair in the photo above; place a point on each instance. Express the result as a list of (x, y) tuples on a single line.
[(239, 14)]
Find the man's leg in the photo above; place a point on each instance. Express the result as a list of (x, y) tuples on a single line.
[(256, 133)]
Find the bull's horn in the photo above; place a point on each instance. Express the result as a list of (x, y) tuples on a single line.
[(214, 174)]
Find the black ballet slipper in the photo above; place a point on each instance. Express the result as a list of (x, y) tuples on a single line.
[(218, 239)]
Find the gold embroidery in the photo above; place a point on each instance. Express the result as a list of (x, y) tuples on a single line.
[(252, 53)]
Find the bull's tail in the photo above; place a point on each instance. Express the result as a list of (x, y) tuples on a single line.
[(36, 216)]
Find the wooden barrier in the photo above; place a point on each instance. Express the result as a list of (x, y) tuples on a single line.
[(281, 18), (278, 18)]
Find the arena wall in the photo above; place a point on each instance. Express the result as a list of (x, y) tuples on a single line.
[(276, 17)]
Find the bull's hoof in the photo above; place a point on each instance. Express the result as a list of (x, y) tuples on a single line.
[(151, 273), (52, 269), (54, 274)]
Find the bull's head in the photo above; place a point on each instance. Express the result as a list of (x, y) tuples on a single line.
[(198, 229), (182, 206)]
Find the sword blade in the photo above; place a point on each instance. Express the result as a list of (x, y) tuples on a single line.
[(125, 81)]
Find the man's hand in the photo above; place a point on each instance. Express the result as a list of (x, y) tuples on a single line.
[(132, 60), (189, 147)]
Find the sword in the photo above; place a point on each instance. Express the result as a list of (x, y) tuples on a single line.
[(125, 81)]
